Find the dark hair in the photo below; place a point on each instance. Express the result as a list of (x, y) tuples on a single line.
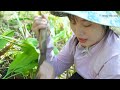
[(106, 29), (58, 14), (71, 18)]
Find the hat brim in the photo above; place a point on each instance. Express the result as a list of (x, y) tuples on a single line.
[(108, 18)]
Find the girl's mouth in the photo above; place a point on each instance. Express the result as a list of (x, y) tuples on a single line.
[(82, 40)]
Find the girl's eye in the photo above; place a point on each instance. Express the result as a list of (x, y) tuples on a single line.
[(86, 23)]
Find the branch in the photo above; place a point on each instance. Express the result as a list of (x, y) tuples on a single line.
[(4, 50)]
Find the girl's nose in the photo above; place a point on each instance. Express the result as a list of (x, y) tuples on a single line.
[(80, 32)]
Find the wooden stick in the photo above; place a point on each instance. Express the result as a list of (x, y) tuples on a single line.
[(42, 37), (42, 47)]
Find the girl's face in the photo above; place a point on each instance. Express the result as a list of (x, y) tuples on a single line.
[(87, 33)]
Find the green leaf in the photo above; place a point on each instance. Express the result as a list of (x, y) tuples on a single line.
[(3, 42), (56, 51), (32, 41), (25, 70), (9, 33), (26, 60)]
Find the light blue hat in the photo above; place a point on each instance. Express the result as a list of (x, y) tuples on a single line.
[(108, 18)]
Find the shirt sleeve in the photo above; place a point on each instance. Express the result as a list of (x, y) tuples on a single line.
[(111, 69), (63, 60)]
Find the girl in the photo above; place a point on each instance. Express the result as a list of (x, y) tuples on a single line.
[(93, 48)]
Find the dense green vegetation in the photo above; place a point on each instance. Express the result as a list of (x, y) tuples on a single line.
[(18, 45)]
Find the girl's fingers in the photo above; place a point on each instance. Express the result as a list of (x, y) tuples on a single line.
[(39, 27)]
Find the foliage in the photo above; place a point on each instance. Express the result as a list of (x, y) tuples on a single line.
[(118, 12), (26, 59), (3, 42), (20, 60)]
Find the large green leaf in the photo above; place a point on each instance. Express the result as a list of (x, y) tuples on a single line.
[(26, 70), (26, 59)]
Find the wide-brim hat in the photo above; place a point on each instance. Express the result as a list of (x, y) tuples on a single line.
[(108, 18)]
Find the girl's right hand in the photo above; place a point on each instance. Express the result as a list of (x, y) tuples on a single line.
[(40, 23)]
